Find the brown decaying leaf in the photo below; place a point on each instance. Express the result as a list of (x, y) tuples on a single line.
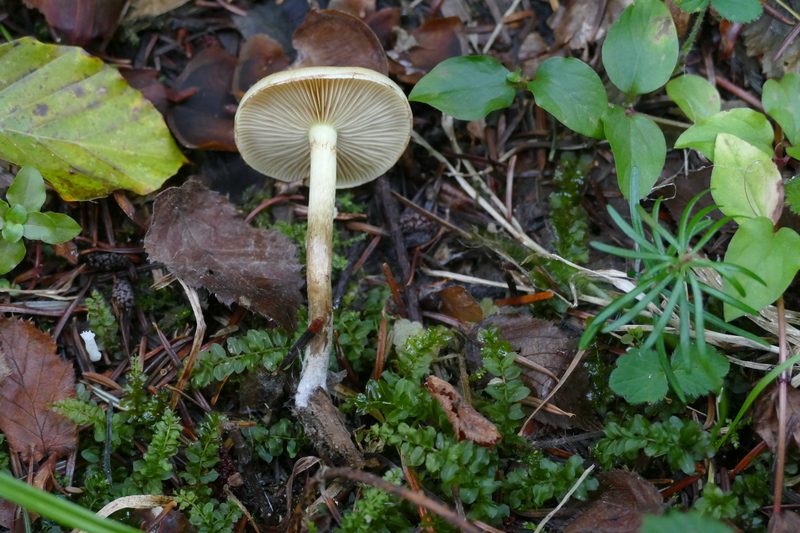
[(259, 57), (765, 414), (333, 38), (545, 345), (619, 505), (38, 379), (204, 240), (382, 23), (81, 21), (467, 422), (5, 368), (436, 40), (456, 302), (356, 8), (204, 120), (785, 522)]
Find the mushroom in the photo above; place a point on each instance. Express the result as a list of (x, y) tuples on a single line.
[(335, 127)]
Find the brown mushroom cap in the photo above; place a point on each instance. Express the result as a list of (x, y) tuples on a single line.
[(369, 112)]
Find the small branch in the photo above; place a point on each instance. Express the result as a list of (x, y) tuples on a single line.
[(782, 392)]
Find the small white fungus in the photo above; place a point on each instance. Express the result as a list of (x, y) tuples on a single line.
[(91, 346)]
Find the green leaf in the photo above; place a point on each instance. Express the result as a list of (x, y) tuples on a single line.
[(39, 227), (750, 126), (27, 189), (11, 253), (692, 6), (792, 191), (641, 48), (738, 10), (775, 257), (572, 92), (701, 372), (689, 522), (639, 377), (696, 97), (17, 214), (65, 229), (793, 151), (12, 231), (781, 101), (639, 150), (467, 88), (745, 182), (79, 123)]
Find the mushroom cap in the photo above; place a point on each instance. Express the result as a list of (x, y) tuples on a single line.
[(369, 112)]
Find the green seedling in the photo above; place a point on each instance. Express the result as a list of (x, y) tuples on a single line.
[(20, 217)]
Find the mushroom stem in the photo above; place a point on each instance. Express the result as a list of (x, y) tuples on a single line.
[(321, 201)]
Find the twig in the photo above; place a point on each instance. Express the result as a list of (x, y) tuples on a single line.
[(199, 333), (782, 392), (552, 513), (404, 493)]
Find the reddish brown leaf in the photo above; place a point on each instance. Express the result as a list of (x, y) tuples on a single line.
[(333, 38), (81, 21), (382, 23), (548, 350), (619, 505), (436, 40), (765, 414), (259, 57), (204, 120), (467, 422), (204, 240), (146, 81), (38, 379), (456, 302)]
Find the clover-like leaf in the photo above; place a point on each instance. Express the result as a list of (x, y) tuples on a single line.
[(639, 377)]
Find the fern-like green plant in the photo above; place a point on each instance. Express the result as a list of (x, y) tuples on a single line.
[(242, 353), (155, 466)]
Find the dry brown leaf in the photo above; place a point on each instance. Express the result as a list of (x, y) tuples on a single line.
[(619, 505), (467, 422), (765, 414), (81, 21), (762, 39), (456, 302), (433, 42), (356, 8), (548, 351), (5, 368), (259, 57), (785, 522), (205, 119), (39, 378), (336, 39), (204, 240), (382, 23), (151, 8)]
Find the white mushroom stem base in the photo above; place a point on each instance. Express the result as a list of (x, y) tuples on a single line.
[(321, 202)]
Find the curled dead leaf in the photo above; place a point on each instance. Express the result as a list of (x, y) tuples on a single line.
[(259, 57), (765, 414), (467, 422), (81, 21), (39, 378), (334, 38), (431, 43), (204, 240), (456, 302)]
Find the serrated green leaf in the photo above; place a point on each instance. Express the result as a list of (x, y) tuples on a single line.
[(692, 6), (781, 101), (27, 189), (39, 227), (466, 88), (750, 126), (701, 372), (738, 10), (639, 150), (696, 97), (10, 255), (572, 92), (745, 182), (774, 256), (79, 123), (639, 377), (641, 48)]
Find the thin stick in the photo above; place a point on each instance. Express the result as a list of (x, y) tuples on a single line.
[(199, 333), (782, 392), (552, 513)]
